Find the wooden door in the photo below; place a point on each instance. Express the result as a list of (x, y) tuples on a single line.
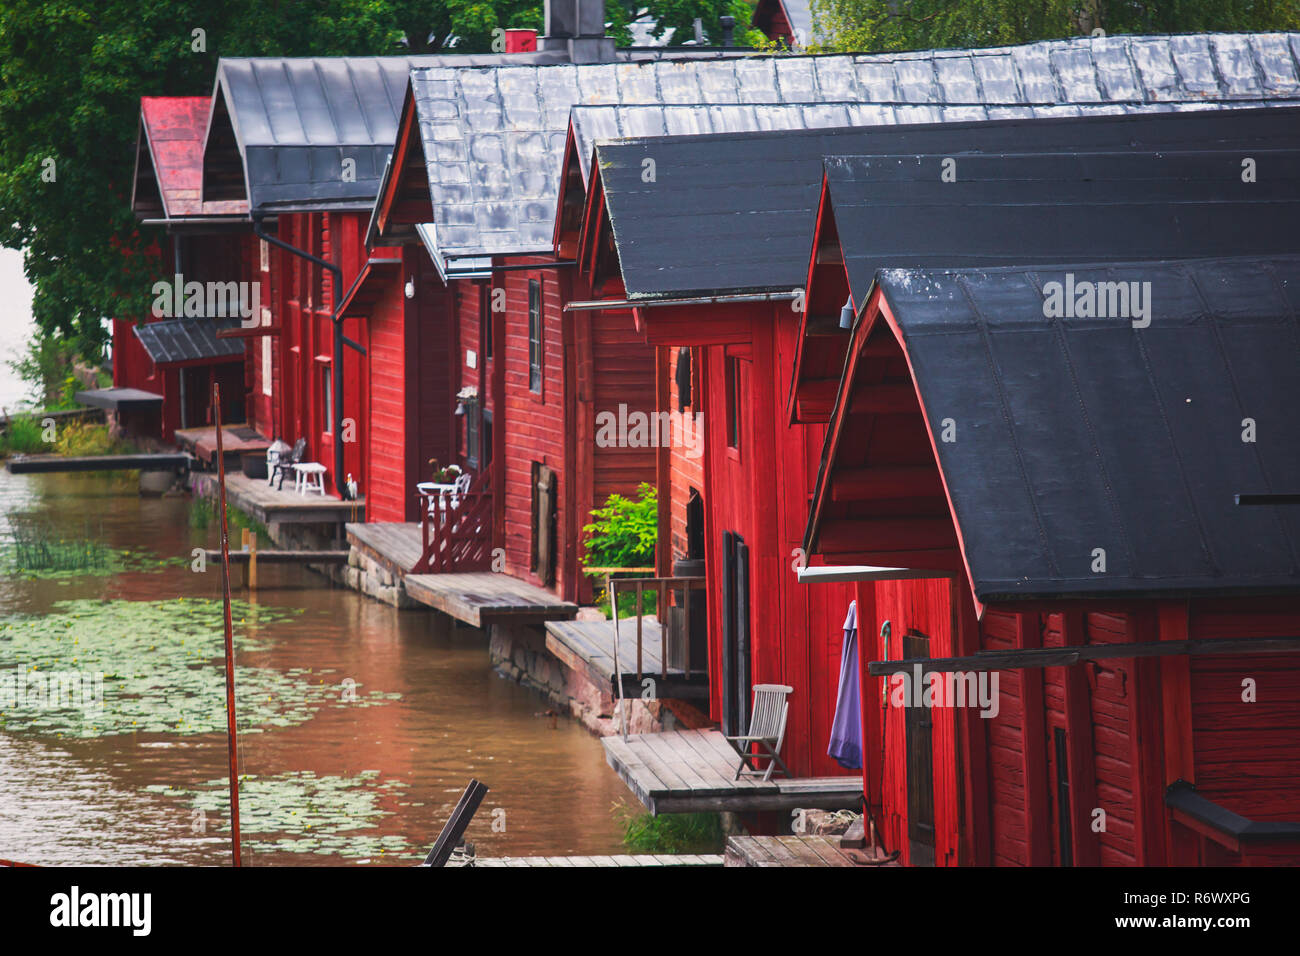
[(920, 765), (737, 685), (544, 523)]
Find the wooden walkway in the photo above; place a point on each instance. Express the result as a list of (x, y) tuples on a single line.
[(236, 439), (266, 503), (692, 771), (587, 647), (641, 859), (482, 597), (798, 851), (32, 464), (394, 545)]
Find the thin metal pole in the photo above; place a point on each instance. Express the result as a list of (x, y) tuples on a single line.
[(230, 632)]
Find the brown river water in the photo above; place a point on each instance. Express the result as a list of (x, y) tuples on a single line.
[(359, 724)]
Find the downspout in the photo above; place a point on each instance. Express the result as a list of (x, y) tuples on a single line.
[(336, 371)]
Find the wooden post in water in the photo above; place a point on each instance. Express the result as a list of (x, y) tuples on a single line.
[(252, 560), (230, 632)]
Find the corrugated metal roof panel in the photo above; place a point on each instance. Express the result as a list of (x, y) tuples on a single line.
[(188, 340), (1086, 433)]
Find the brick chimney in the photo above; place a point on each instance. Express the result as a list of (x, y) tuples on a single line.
[(578, 28)]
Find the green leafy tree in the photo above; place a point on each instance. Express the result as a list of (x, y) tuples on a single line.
[(886, 25), (71, 76)]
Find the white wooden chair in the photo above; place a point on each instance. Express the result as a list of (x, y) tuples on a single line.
[(766, 729)]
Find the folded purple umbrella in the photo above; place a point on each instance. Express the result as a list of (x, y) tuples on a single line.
[(846, 729)]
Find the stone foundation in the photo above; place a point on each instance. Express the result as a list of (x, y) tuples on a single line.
[(518, 651), (363, 573)]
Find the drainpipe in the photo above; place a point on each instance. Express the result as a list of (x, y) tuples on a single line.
[(336, 371)]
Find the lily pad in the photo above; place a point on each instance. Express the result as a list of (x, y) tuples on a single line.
[(163, 666)]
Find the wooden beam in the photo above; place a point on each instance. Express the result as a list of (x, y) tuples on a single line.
[(1066, 657), (887, 399), (920, 533), (886, 481), (1081, 759), (815, 399), (1033, 748)]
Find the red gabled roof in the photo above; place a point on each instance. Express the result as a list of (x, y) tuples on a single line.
[(172, 131)]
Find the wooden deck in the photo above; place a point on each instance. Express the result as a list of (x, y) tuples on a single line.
[(236, 439), (641, 859), (255, 497), (692, 771), (33, 464), (798, 851), (395, 545), (478, 598), (587, 647)]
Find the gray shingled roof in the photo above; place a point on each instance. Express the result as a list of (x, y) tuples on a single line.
[(494, 136), (295, 119), (1086, 433)]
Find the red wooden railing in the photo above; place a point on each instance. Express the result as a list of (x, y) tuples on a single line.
[(456, 536)]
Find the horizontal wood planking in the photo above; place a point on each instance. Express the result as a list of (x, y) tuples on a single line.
[(394, 545), (588, 647), (694, 771), (476, 597)]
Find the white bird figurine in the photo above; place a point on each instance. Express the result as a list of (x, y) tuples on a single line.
[(351, 486)]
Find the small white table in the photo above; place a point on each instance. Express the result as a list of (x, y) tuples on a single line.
[(309, 476)]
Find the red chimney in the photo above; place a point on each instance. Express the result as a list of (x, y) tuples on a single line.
[(521, 41)]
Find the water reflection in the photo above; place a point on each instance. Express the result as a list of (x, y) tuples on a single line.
[(376, 782)]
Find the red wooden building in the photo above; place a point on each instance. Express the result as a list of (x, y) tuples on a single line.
[(696, 283), (1061, 744), (186, 359), (1141, 629)]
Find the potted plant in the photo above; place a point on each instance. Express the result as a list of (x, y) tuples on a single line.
[(444, 476)]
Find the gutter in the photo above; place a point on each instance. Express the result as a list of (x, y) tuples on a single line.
[(336, 371), (599, 304)]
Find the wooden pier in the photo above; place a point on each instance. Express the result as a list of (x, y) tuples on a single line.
[(266, 503), (236, 440), (282, 557), (394, 545), (479, 598), (693, 771), (612, 862), (587, 647), (43, 464), (799, 851)]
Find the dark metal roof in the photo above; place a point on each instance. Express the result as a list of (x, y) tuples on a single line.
[(120, 399), (1077, 434), (494, 137), (736, 213), (1019, 209), (282, 127), (294, 120), (179, 341)]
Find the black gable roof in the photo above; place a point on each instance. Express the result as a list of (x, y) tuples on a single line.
[(1019, 209), (736, 212), (1075, 434)]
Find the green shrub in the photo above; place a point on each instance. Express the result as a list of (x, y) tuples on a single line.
[(623, 536), (623, 532), (670, 833), (79, 439), (24, 435)]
